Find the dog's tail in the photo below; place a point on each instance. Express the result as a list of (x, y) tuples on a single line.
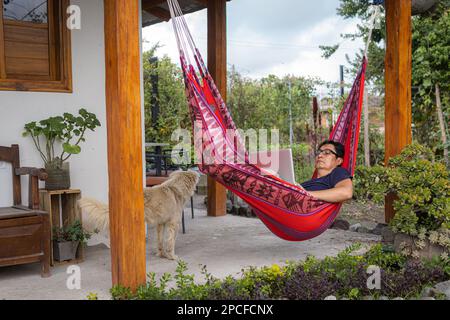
[(97, 215)]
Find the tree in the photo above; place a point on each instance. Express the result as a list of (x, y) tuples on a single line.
[(174, 111), (349, 9), (264, 103), (431, 78), (430, 47)]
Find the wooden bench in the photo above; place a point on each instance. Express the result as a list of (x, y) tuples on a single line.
[(24, 230)]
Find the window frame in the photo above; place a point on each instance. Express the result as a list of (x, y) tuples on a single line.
[(60, 58)]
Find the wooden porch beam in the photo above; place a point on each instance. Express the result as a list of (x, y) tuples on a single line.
[(217, 65), (398, 76), (125, 168)]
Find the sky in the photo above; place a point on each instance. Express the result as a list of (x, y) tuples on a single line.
[(265, 37)]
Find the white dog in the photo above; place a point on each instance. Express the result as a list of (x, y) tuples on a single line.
[(163, 205)]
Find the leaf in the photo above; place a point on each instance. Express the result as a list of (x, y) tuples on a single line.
[(71, 149)]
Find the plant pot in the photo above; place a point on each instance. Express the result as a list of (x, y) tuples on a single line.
[(63, 251), (429, 251), (58, 177), (422, 6)]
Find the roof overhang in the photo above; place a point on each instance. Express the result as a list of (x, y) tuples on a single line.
[(156, 11)]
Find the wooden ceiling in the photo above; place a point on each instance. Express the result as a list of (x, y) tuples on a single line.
[(156, 11)]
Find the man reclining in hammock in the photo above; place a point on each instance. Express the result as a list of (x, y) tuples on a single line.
[(333, 183)]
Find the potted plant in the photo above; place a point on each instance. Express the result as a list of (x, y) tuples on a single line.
[(62, 136), (66, 241)]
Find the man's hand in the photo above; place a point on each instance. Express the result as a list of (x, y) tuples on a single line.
[(343, 191)]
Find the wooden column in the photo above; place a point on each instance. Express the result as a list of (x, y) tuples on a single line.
[(125, 168), (2, 47), (398, 83), (217, 65)]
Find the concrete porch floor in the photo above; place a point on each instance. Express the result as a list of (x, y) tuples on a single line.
[(225, 245)]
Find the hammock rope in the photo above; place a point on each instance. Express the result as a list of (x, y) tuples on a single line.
[(288, 210), (372, 25)]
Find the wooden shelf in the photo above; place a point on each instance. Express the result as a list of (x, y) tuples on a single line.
[(63, 210)]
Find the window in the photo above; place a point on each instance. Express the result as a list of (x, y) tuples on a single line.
[(34, 46)]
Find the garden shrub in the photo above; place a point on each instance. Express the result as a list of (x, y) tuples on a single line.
[(422, 187), (423, 190), (344, 276), (369, 184)]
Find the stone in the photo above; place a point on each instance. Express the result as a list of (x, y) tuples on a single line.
[(443, 288), (398, 298), (427, 292), (368, 298), (355, 227), (387, 235), (331, 298), (340, 224), (383, 298), (363, 230), (378, 230), (427, 298)]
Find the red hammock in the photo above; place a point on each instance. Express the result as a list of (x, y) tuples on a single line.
[(289, 211)]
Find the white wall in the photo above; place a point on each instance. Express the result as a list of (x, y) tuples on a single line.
[(89, 171)]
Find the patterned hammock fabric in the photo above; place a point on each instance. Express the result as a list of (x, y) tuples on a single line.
[(288, 210)]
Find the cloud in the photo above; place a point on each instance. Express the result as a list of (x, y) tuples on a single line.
[(278, 19), (272, 37)]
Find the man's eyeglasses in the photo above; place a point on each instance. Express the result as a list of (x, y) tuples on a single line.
[(325, 152)]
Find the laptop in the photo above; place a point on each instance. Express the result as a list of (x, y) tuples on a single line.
[(278, 162)]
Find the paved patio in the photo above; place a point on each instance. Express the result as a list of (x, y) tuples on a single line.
[(225, 245)]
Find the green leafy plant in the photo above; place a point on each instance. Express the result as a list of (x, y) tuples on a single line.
[(344, 276), (369, 183), (73, 232), (303, 163), (67, 130), (423, 189), (92, 296)]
